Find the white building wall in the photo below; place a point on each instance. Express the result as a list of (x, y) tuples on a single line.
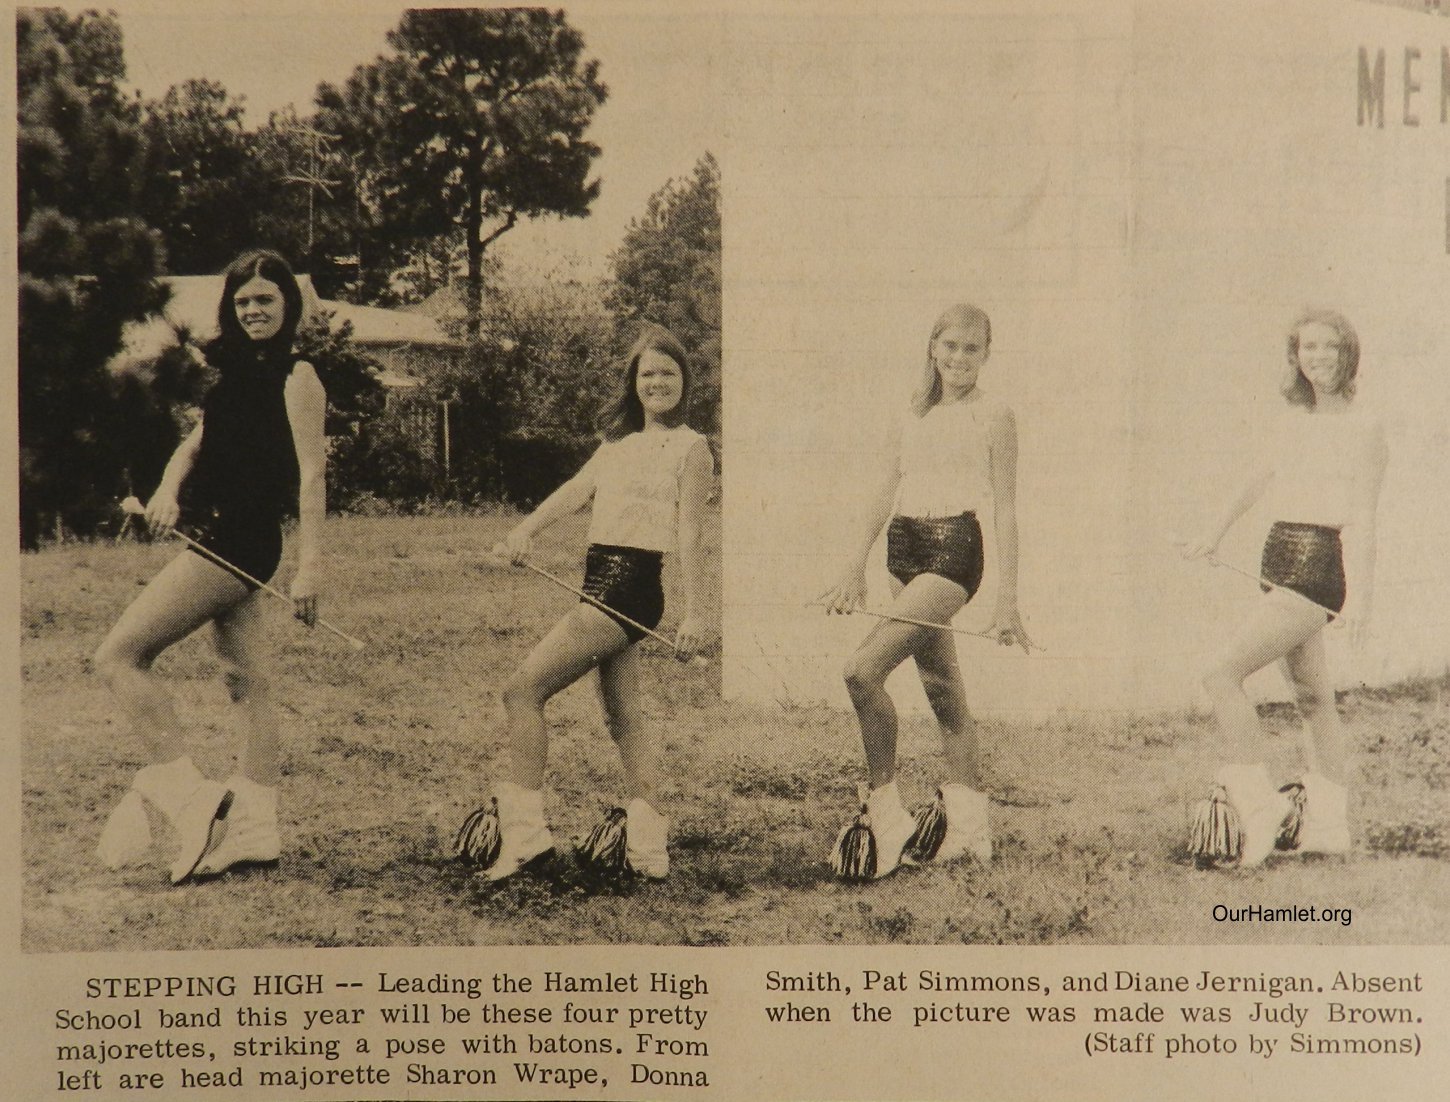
[(1142, 197)]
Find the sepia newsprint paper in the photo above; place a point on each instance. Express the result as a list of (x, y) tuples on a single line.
[(1143, 197)]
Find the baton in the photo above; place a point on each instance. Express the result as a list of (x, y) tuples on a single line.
[(133, 507), (699, 659)]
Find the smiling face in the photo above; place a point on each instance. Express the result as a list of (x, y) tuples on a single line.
[(260, 308), (659, 384), (1320, 357), (958, 354)]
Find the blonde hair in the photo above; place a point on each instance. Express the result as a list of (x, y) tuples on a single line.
[(963, 315)]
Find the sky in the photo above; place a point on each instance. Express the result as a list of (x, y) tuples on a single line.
[(660, 62)]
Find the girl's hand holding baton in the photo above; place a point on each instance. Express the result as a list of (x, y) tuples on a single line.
[(304, 596), (161, 512), (1354, 619), (1194, 549), (847, 595), (688, 639), (515, 547), (304, 590), (1007, 629)]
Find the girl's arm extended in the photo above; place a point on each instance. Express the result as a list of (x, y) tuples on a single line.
[(849, 590), (567, 500), (307, 413), (694, 492), (1359, 534), (1002, 443)]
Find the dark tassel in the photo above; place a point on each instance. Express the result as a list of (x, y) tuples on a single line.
[(854, 856), (478, 840), (1217, 836), (931, 829), (1288, 837), (604, 853)]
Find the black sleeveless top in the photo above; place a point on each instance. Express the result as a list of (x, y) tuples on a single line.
[(246, 468)]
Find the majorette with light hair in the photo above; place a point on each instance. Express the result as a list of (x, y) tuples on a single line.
[(955, 455), (1322, 478)]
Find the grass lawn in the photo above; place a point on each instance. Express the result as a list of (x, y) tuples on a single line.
[(388, 750)]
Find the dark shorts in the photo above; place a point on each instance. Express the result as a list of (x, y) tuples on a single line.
[(253, 546), (950, 547), (627, 580), (1307, 559)]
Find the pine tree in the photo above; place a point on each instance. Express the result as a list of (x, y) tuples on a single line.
[(87, 265), (475, 122)]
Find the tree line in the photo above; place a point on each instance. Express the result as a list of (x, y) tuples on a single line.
[(395, 186)]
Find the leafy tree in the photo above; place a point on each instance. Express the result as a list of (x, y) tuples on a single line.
[(348, 374), (152, 402), (667, 271), (530, 391), (214, 189), (355, 399), (476, 121), (87, 264), (201, 185)]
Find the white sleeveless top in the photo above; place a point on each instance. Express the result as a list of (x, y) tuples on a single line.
[(1318, 460), (637, 488), (945, 461)]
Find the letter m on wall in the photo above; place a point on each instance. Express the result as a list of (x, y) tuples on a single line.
[(1372, 88)]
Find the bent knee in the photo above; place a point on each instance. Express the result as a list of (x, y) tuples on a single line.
[(862, 675)]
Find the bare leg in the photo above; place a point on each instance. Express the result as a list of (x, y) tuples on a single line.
[(187, 593), (1308, 673), (239, 644), (888, 644), (941, 677), (576, 644), (1280, 624), (619, 692)]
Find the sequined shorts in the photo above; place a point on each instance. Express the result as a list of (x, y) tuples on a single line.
[(950, 547), (1307, 559), (627, 580)]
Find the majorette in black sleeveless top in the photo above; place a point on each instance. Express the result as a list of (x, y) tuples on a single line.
[(246, 467)]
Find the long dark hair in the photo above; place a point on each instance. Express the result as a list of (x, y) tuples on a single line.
[(1296, 389), (625, 414), (232, 345), (963, 315)]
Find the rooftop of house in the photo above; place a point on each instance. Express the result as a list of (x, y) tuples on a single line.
[(193, 307)]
